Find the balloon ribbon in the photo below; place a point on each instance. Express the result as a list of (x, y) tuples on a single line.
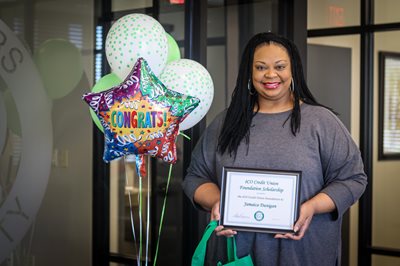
[(140, 168), (162, 214), (131, 212)]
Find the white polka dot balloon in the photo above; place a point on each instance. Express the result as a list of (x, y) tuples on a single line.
[(134, 36), (191, 78)]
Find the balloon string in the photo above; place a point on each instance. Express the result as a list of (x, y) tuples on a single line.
[(148, 218), (184, 135), (162, 214), (130, 209), (139, 166), (140, 217)]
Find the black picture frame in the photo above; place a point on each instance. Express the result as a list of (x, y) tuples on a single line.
[(389, 106), (264, 195)]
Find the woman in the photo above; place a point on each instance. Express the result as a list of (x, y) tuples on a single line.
[(274, 122)]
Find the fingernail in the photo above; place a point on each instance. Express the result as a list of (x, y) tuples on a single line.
[(296, 228)]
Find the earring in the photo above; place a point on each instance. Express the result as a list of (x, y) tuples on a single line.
[(249, 85), (292, 86)]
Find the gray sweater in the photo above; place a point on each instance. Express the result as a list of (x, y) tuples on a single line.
[(329, 160)]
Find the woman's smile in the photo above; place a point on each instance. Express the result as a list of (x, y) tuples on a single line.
[(271, 85)]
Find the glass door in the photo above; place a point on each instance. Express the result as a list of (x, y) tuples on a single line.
[(223, 28), (136, 204)]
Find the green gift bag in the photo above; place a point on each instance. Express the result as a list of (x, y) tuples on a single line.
[(200, 252)]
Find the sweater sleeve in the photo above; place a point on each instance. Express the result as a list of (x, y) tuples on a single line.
[(202, 166), (344, 176)]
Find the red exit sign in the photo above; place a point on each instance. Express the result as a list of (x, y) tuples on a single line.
[(336, 16), (179, 2)]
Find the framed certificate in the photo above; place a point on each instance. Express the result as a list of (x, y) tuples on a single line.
[(259, 200)]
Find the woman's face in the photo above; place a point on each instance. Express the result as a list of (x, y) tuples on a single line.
[(272, 75)]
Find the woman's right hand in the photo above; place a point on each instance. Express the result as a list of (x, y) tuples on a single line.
[(207, 195), (215, 215)]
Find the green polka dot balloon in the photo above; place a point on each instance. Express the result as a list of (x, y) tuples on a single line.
[(191, 78), (134, 36)]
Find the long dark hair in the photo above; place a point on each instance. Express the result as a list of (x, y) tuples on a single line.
[(241, 109)]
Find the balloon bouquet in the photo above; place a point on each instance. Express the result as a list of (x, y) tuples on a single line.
[(150, 96)]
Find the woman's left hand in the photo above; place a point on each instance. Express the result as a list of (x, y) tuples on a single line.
[(320, 203), (306, 214)]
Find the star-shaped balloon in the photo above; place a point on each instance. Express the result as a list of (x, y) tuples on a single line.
[(140, 116)]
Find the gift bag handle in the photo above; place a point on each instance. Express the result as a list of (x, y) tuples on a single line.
[(231, 248), (200, 252)]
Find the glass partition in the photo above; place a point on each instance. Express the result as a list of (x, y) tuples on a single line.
[(386, 11), (385, 218), (343, 95), (46, 132), (378, 260), (229, 27)]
